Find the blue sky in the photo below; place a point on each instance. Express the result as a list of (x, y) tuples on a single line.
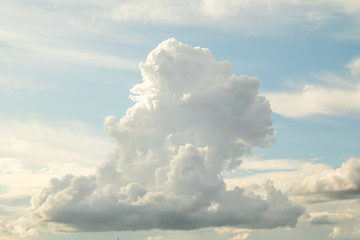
[(67, 68)]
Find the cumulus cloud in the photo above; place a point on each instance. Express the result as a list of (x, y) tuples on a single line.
[(192, 118), (21, 228), (341, 183)]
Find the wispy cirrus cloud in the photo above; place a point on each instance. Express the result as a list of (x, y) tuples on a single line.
[(249, 17), (42, 32), (35, 51)]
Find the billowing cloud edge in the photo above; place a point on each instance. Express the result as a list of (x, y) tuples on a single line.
[(332, 184)]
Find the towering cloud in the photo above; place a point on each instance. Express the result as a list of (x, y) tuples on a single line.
[(192, 119)]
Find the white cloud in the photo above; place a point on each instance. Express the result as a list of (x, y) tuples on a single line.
[(284, 173), (22, 228), (85, 57), (42, 32), (335, 233), (287, 173), (339, 97), (354, 67), (192, 118), (62, 31), (249, 16), (33, 152), (33, 50), (154, 238), (346, 231), (316, 100), (37, 143), (341, 183), (238, 233)]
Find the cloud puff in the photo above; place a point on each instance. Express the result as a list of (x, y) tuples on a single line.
[(192, 118), (341, 183), (21, 228)]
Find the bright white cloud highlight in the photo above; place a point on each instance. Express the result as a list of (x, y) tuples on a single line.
[(192, 118)]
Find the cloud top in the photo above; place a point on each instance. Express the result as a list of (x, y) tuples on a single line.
[(192, 118)]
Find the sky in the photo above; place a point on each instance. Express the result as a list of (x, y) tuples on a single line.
[(169, 119)]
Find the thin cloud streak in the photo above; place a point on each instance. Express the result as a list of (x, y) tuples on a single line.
[(338, 97), (251, 18)]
